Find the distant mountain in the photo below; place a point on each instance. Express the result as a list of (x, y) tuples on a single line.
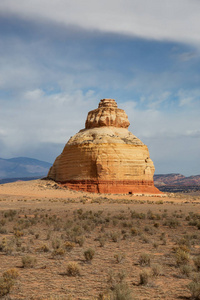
[(176, 179), (20, 167)]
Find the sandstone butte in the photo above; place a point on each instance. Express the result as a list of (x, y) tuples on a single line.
[(105, 157)]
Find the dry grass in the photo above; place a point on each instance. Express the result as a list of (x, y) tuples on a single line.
[(136, 247)]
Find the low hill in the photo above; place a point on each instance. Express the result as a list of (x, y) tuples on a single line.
[(176, 179), (23, 167)]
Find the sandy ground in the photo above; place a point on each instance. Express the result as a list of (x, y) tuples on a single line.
[(49, 189), (40, 199)]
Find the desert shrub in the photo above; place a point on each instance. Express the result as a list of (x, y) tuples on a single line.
[(135, 215), (102, 241), (186, 270), (89, 254), (28, 261), (114, 236), (5, 286), (155, 245), (181, 257), (198, 225), (3, 230), (10, 213), (79, 240), (73, 269), (121, 291), (145, 238), (162, 236), (144, 277), (43, 248), (56, 243), (156, 270), (134, 231), (37, 235), (119, 257), (172, 223), (58, 252), (145, 259), (6, 246), (10, 274), (2, 222), (152, 216), (69, 245), (114, 279), (184, 242), (18, 233), (197, 262), (3, 244), (148, 229), (194, 287)]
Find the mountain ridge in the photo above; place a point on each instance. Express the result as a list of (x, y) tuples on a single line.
[(176, 179), (19, 167)]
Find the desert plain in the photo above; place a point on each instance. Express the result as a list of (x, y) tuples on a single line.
[(56, 243)]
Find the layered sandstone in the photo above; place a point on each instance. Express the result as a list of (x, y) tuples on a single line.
[(105, 157)]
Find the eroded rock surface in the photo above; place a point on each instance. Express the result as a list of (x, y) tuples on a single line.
[(105, 157)]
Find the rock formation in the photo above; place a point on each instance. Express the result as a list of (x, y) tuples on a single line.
[(105, 157)]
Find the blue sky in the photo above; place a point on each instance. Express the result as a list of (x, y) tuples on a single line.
[(59, 58)]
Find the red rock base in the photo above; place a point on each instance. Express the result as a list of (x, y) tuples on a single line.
[(113, 187)]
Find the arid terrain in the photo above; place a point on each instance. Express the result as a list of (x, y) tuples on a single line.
[(60, 244)]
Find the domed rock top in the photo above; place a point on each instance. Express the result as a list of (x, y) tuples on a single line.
[(107, 103), (107, 114)]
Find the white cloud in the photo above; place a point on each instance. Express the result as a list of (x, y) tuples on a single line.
[(188, 97), (175, 20), (39, 118), (173, 139)]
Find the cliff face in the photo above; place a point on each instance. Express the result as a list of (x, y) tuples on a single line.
[(105, 157)]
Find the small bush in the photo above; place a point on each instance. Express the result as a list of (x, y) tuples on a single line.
[(10, 274), (172, 223), (43, 248), (69, 245), (7, 281), (197, 262), (194, 288), (115, 278), (186, 270), (28, 261), (58, 252), (56, 243), (157, 270), (73, 269), (3, 244), (5, 286), (144, 277), (134, 231), (102, 241), (114, 237), (119, 257), (79, 240), (89, 254), (181, 257), (145, 259), (3, 230), (10, 213), (121, 291)]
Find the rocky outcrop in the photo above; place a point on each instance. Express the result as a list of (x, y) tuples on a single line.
[(105, 157)]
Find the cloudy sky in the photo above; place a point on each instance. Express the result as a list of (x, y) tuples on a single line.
[(58, 58)]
